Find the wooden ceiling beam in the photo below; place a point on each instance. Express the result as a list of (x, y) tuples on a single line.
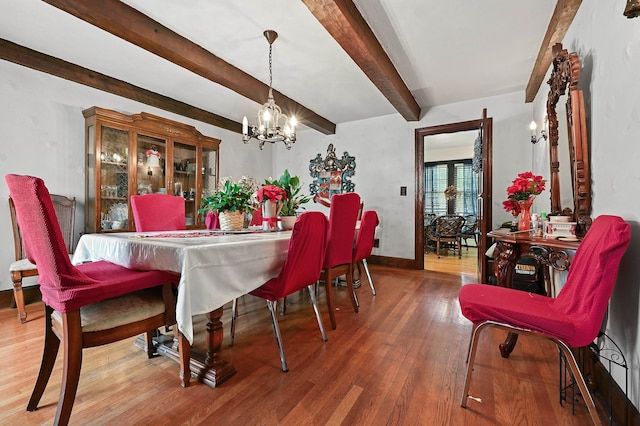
[(346, 25), (48, 64), (137, 28), (560, 21)]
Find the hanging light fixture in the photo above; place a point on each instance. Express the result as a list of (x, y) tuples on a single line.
[(271, 124)]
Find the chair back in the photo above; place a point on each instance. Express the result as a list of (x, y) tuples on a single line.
[(65, 209), (303, 264), (592, 277), (470, 225), (449, 226), (158, 212), (42, 237), (366, 236), (343, 215)]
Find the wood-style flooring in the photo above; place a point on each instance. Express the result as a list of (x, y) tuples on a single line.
[(399, 361)]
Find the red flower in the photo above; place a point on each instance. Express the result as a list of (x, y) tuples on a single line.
[(523, 187), (271, 193)]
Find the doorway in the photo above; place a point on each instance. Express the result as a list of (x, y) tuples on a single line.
[(484, 127)]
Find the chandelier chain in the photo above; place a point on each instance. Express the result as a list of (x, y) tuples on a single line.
[(270, 64)]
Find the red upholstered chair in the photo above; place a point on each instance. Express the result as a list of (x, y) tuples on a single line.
[(343, 215), (158, 212), (256, 218), (301, 269), (87, 305), (573, 319), (364, 243)]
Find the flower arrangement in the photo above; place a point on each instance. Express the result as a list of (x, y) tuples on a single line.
[(271, 193), (523, 188), (292, 187), (230, 196)]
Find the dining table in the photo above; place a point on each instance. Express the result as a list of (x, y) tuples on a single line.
[(215, 267)]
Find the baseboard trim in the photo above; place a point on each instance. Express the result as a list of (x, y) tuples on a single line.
[(395, 262), (31, 295)]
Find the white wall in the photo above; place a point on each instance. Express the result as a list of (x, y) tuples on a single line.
[(609, 47)]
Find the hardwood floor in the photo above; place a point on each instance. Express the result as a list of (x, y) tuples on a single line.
[(399, 361)]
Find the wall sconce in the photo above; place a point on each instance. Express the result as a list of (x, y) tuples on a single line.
[(535, 139), (633, 9)]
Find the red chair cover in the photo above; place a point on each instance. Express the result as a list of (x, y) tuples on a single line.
[(256, 219), (304, 259), (158, 212), (576, 315), (343, 215), (66, 287), (366, 236)]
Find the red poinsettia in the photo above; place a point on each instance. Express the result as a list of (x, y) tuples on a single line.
[(525, 186), (271, 193)]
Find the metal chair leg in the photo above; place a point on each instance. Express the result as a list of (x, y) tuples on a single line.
[(314, 302), (366, 269), (276, 329), (234, 317), (470, 360)]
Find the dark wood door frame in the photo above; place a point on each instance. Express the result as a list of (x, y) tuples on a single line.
[(484, 187)]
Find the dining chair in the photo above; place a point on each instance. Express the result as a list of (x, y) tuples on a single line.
[(86, 305), (469, 230), (364, 243), (158, 212), (301, 269), (447, 230), (571, 320), (343, 215), (65, 209)]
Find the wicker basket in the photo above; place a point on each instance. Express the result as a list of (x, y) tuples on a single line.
[(231, 221)]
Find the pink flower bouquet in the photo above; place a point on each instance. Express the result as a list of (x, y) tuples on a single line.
[(271, 193)]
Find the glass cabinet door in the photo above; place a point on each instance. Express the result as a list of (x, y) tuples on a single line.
[(151, 162), (209, 173), (114, 178), (185, 179)]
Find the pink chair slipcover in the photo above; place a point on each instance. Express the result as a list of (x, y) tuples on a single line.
[(158, 212)]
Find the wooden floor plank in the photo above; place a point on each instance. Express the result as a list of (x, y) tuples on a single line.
[(400, 360)]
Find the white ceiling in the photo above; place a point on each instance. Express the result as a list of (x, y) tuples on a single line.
[(445, 50)]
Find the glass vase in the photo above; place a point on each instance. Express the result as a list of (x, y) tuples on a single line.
[(525, 214)]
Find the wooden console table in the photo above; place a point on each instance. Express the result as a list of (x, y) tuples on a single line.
[(510, 246)]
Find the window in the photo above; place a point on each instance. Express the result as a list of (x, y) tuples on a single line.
[(441, 175)]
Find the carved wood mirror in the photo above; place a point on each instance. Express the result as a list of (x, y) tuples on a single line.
[(564, 89)]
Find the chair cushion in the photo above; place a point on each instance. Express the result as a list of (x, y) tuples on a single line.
[(121, 310), (481, 302), (21, 265)]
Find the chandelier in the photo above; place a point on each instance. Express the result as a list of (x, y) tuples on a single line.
[(271, 124)]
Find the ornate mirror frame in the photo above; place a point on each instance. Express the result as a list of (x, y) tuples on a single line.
[(565, 75)]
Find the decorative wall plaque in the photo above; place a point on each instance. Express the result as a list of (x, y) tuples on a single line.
[(332, 174)]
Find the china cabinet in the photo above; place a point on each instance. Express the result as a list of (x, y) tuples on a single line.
[(142, 154)]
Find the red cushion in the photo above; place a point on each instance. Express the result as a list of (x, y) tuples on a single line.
[(158, 212), (303, 264), (576, 315)]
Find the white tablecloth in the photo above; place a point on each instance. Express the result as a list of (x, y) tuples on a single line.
[(215, 268)]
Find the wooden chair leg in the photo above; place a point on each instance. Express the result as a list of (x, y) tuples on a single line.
[(50, 351), (18, 295), (234, 317), (184, 348), (72, 331)]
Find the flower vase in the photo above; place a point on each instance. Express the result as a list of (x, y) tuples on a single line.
[(270, 215), (288, 222), (525, 214)]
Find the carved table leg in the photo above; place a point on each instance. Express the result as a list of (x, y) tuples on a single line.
[(209, 368), (508, 255)]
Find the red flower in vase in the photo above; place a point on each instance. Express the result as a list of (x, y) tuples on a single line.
[(525, 186), (271, 193)]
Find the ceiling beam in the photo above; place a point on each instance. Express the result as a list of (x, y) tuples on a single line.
[(560, 21), (48, 64), (137, 28), (346, 25)]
